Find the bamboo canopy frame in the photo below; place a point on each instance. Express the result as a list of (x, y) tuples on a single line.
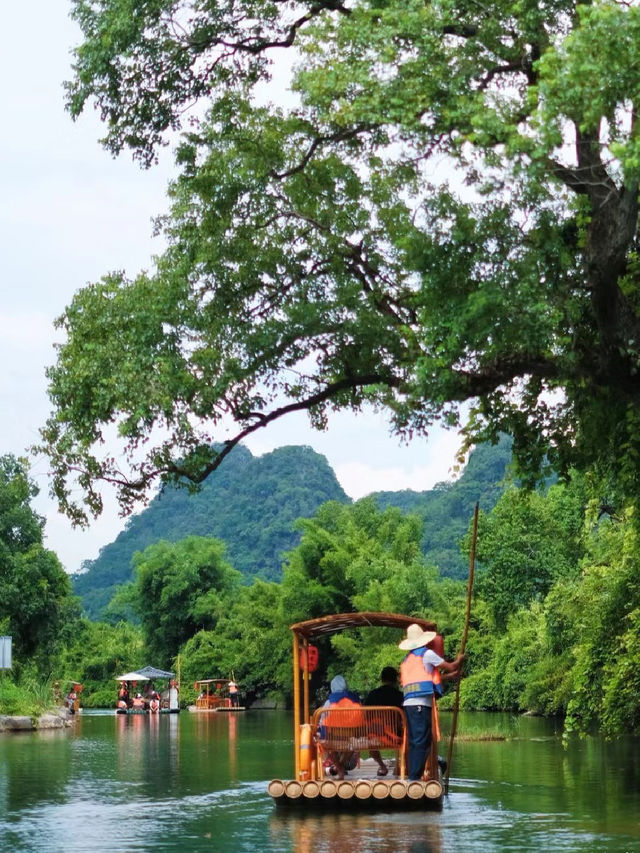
[(463, 644)]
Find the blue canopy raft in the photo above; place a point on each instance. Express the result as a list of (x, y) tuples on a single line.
[(138, 693), (355, 731)]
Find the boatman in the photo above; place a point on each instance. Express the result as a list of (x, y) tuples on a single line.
[(233, 694), (420, 679)]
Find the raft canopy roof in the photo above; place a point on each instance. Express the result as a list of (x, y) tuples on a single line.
[(145, 674), (326, 625), (131, 676), (152, 672)]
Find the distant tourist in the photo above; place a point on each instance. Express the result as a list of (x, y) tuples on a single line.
[(174, 703), (70, 701)]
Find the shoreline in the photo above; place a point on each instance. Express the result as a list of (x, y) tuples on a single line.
[(58, 718)]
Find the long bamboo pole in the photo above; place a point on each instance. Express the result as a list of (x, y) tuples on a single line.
[(463, 644)]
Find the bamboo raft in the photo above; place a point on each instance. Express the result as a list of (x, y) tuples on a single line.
[(324, 732)]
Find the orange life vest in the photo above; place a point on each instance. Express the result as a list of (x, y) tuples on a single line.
[(347, 718), (415, 678)]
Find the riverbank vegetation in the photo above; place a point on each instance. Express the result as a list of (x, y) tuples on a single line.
[(555, 625)]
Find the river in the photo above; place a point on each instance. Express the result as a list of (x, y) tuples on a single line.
[(194, 782)]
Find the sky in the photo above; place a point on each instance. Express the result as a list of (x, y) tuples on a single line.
[(69, 213)]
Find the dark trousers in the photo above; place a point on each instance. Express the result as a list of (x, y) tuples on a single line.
[(419, 725)]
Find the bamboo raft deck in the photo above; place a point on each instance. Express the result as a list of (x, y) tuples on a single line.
[(361, 787)]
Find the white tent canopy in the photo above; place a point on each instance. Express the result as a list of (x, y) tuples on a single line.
[(131, 676)]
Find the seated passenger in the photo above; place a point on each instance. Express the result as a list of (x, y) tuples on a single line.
[(388, 693), (138, 702), (341, 697)]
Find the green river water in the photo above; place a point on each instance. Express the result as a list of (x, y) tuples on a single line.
[(194, 782)]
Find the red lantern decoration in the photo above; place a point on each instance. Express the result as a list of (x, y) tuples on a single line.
[(314, 658)]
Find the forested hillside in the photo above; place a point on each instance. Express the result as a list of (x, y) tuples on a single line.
[(445, 510), (251, 504)]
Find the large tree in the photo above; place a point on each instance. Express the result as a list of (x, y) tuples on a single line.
[(444, 219), (36, 606), (179, 589), (529, 541)]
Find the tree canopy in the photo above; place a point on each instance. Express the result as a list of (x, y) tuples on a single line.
[(178, 589), (37, 609), (443, 224), (528, 542)]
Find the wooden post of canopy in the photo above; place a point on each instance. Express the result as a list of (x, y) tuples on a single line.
[(296, 704)]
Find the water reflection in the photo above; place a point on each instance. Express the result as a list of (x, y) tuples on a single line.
[(401, 832), (34, 768), (197, 783), (148, 750), (233, 747)]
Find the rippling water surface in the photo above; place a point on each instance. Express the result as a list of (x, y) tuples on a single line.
[(193, 782)]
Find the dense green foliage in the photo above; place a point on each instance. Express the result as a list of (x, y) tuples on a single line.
[(250, 503), (349, 558), (555, 623), (251, 643), (28, 696), (179, 589), (36, 607), (445, 510), (572, 648), (442, 222), (529, 541), (96, 654)]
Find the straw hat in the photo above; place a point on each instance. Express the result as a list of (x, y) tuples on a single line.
[(416, 638)]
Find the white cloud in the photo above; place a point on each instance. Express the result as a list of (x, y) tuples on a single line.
[(359, 479)]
